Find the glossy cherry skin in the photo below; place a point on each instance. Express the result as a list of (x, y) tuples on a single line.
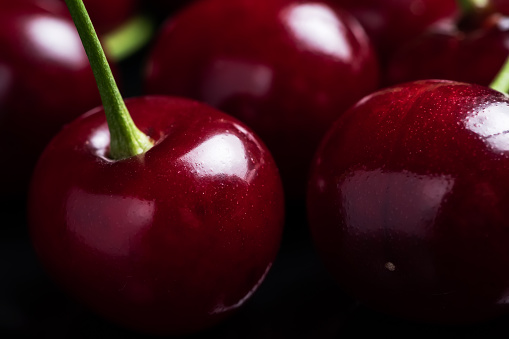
[(45, 82), (407, 201), (391, 23), (167, 242), (287, 69), (473, 55)]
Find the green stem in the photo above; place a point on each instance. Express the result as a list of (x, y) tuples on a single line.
[(501, 81), (128, 38), (468, 6), (126, 140)]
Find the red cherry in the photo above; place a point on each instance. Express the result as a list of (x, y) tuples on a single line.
[(287, 69), (165, 219), (408, 199), (391, 23), (45, 82), (167, 242), (472, 51)]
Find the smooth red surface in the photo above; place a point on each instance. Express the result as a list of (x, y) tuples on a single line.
[(167, 242), (501, 6), (45, 82), (390, 23), (475, 55), (408, 200), (106, 15), (287, 69)]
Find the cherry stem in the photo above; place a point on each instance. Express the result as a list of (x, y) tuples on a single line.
[(501, 81), (468, 6), (128, 38), (126, 140)]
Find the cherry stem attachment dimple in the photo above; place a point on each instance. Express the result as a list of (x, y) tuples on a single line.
[(126, 140)]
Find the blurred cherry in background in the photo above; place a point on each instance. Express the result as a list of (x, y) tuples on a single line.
[(285, 68), (45, 82)]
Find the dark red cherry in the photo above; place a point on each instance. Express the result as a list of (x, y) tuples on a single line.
[(285, 68), (471, 50), (163, 215), (408, 201), (170, 241), (45, 82), (391, 23)]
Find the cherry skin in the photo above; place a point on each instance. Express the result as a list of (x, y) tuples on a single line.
[(407, 201), (167, 242), (501, 6), (111, 14), (473, 53), (287, 69), (391, 23), (45, 82)]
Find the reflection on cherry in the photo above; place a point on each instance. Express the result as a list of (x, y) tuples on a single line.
[(170, 241), (45, 82), (287, 69), (391, 23), (471, 50), (408, 201)]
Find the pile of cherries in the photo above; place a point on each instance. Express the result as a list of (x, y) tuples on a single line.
[(164, 213)]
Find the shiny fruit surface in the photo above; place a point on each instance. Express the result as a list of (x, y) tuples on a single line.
[(408, 201), (474, 54), (45, 82), (391, 23), (287, 69), (167, 242)]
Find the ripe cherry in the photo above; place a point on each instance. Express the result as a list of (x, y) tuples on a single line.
[(285, 68), (408, 197), (165, 231), (391, 23), (45, 82), (471, 49)]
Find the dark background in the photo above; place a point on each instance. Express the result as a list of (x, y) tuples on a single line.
[(298, 299)]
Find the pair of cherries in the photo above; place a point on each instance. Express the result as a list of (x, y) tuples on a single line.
[(173, 228)]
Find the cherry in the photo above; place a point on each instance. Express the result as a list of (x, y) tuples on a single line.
[(170, 241), (407, 201), (285, 68), (165, 231), (391, 23), (45, 82), (473, 50)]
